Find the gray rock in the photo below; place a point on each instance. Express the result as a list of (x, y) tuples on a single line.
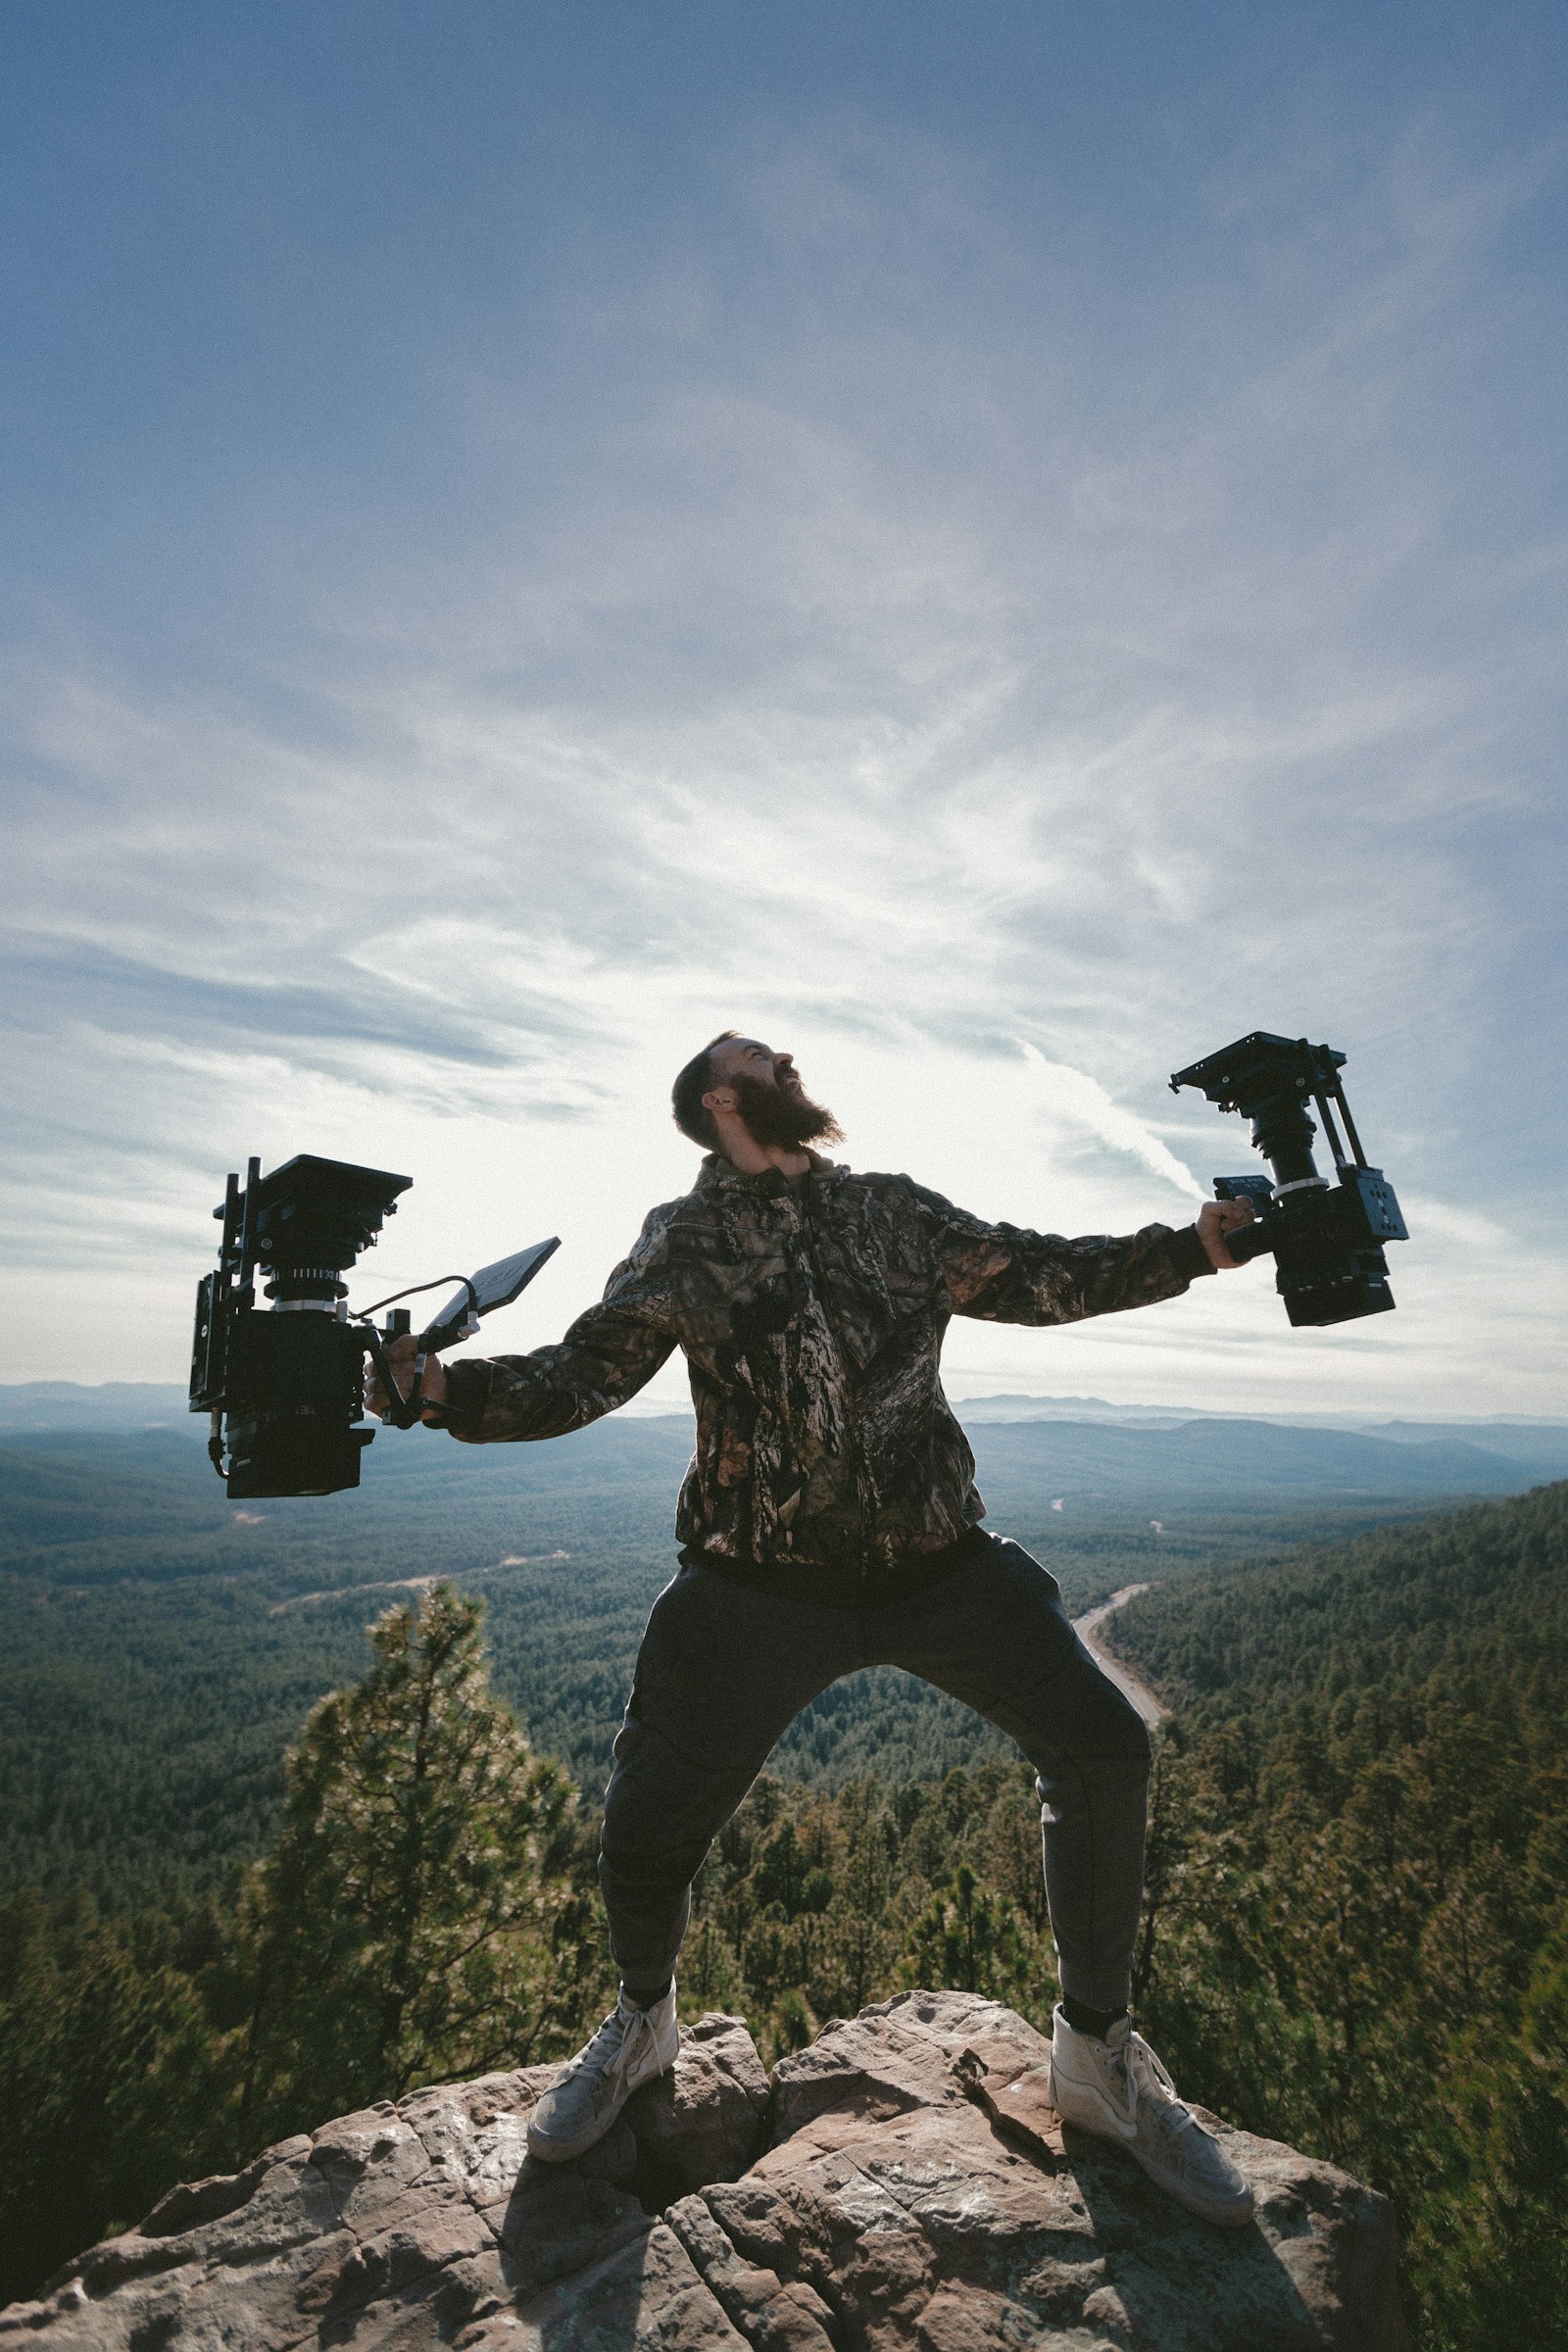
[(880, 2063), (916, 2194), (920, 2185)]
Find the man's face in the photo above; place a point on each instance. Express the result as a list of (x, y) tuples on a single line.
[(769, 1095)]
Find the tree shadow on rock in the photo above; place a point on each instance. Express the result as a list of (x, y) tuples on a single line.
[(1162, 2264)]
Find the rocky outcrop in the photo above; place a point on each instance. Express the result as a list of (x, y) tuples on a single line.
[(902, 2184)]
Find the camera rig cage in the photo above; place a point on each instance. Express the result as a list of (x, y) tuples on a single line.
[(284, 1386), (1327, 1239)]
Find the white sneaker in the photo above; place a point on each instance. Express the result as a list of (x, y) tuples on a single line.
[(631, 2047), (1119, 2089)]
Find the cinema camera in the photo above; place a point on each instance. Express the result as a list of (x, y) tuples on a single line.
[(284, 1386), (1327, 1239)]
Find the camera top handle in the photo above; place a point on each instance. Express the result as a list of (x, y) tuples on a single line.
[(1270, 1080)]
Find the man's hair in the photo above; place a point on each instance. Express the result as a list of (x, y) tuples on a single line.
[(686, 1094)]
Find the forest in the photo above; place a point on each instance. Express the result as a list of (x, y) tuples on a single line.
[(1355, 1936), (159, 1648)]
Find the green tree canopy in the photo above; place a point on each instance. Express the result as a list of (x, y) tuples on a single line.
[(418, 1915)]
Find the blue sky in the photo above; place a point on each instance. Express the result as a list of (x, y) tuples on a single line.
[(998, 547)]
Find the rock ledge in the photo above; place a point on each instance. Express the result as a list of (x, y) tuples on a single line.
[(902, 2184)]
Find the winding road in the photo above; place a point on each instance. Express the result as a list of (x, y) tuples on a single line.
[(1143, 1698)]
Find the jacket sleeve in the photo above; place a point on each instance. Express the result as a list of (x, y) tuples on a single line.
[(609, 1352), (1003, 1274)]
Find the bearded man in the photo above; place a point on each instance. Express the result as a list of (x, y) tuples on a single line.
[(829, 1521)]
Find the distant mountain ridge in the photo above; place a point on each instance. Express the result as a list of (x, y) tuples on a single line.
[(30, 1405), (1187, 1459), (1018, 1406), (122, 1404), (92, 1496)]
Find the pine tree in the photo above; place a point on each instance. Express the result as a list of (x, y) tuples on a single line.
[(423, 1912), (110, 2080), (969, 1939), (1499, 2249)]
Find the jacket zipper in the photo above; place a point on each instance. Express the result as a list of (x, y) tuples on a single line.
[(804, 1209)]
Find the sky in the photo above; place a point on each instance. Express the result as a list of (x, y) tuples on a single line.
[(995, 548)]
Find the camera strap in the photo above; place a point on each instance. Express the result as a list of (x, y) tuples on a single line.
[(420, 1406), (401, 1412), (437, 1416)]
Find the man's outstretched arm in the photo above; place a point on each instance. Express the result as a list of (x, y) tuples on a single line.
[(609, 1352), (1005, 1274)]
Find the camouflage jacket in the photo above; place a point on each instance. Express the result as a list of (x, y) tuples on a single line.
[(810, 1312)]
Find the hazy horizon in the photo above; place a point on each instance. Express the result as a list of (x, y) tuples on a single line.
[(666, 1406)]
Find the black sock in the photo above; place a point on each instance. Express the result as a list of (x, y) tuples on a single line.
[(1084, 2020), (646, 2000)]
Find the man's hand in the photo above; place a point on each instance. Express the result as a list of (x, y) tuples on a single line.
[(1215, 1220), (401, 1355)]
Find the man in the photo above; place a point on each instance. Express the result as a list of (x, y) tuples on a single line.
[(829, 1521)]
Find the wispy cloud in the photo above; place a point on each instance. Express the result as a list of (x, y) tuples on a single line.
[(852, 621), (1072, 1098)]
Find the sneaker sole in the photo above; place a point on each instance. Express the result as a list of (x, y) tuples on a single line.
[(548, 2149), (556, 2151), (1232, 2213)]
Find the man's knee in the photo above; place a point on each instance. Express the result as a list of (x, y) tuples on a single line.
[(660, 1814), (655, 1855), (1108, 1753), (644, 1789), (1132, 1746)]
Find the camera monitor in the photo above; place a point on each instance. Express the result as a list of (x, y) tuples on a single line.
[(492, 1287)]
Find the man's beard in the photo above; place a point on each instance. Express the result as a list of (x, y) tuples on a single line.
[(783, 1114)]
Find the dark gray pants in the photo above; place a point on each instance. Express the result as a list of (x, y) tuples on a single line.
[(724, 1670)]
